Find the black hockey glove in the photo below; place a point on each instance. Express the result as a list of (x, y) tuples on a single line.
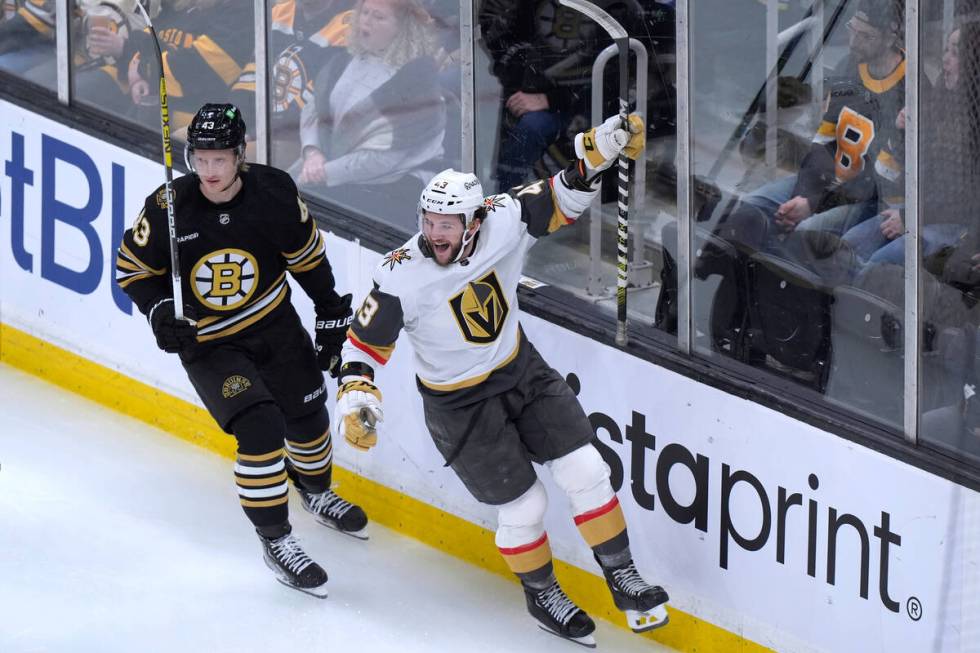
[(331, 332), (173, 335)]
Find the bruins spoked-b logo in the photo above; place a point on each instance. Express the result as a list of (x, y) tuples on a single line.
[(226, 279), (481, 309)]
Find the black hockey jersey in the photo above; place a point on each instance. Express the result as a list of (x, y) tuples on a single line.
[(233, 256), (299, 47), (852, 140)]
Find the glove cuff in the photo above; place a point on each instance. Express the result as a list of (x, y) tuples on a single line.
[(355, 370), (340, 309), (359, 384), (150, 313)]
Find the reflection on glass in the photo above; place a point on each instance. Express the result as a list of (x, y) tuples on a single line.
[(101, 35), (208, 51), (798, 154), (27, 42), (949, 147), (373, 116), (534, 64)]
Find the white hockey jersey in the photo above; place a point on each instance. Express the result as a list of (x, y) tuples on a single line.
[(462, 319)]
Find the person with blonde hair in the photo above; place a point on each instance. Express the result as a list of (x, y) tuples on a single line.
[(377, 121)]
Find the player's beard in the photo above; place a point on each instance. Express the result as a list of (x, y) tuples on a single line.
[(453, 253)]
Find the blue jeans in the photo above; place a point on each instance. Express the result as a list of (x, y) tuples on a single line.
[(523, 144), (872, 247), (837, 220)]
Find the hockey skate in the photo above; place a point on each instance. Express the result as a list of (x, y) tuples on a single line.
[(556, 614), (293, 567), (334, 512), (644, 604)]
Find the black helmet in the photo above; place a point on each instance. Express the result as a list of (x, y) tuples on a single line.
[(216, 127)]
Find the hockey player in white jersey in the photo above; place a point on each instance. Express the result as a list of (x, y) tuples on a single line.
[(492, 404)]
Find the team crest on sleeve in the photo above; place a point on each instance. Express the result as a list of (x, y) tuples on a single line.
[(493, 203), (396, 257), (161, 197), (481, 309), (225, 279)]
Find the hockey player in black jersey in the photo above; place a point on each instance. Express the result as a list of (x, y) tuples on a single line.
[(492, 404), (240, 228)]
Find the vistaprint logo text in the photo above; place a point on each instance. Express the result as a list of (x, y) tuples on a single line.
[(827, 527)]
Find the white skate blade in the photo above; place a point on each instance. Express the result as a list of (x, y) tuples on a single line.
[(320, 591), (640, 622), (588, 641)]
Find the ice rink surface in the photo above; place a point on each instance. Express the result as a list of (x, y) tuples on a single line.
[(119, 537)]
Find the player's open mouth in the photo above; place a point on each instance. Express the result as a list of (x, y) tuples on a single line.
[(440, 247)]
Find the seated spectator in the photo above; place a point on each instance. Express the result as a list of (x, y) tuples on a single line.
[(102, 30), (27, 41), (948, 150), (542, 55), (206, 44), (836, 186), (302, 33), (373, 132)]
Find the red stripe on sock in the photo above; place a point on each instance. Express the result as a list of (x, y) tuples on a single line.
[(524, 548), (598, 512)]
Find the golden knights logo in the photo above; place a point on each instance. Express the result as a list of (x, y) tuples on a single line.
[(397, 256), (234, 385), (226, 279), (481, 309), (492, 203)]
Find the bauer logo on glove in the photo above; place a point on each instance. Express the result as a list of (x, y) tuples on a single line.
[(601, 145)]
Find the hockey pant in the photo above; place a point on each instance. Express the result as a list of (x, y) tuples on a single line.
[(265, 438), (584, 476)]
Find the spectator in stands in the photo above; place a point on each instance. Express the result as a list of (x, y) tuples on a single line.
[(206, 44), (947, 154), (374, 130), (837, 186), (303, 31), (27, 40), (542, 55), (100, 75)]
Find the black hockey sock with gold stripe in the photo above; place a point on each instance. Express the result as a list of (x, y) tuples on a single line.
[(309, 449), (260, 472), (262, 487), (311, 462)]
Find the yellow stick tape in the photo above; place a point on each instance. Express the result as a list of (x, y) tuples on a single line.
[(386, 506)]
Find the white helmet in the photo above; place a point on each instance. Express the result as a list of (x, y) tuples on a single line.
[(453, 193)]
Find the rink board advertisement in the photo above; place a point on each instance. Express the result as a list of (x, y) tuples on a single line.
[(790, 537)]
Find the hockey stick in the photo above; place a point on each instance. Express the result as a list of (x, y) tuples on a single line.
[(621, 38), (168, 167)]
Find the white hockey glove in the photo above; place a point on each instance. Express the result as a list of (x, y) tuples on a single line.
[(601, 145), (358, 413)]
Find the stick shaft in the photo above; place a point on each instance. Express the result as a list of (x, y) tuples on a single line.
[(168, 174), (622, 227), (619, 35)]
